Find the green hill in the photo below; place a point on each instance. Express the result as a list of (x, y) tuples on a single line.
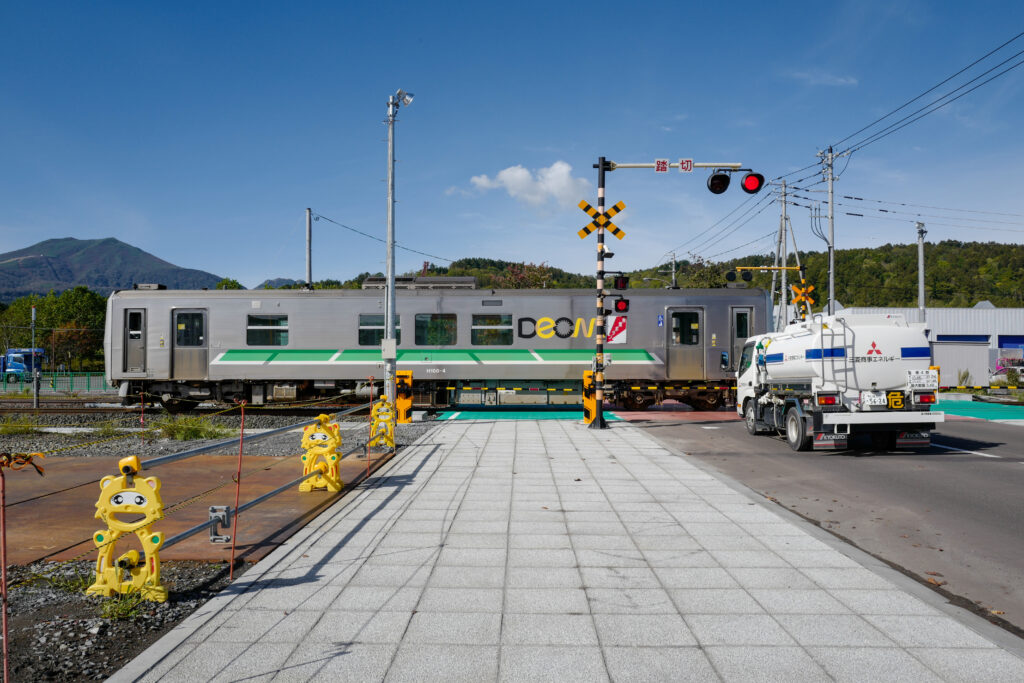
[(102, 265), (957, 274)]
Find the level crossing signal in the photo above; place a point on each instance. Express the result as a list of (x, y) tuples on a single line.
[(621, 305), (803, 294), (718, 182), (620, 282)]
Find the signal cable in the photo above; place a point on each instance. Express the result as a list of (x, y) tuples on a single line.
[(934, 87), (753, 241), (750, 218), (712, 226), (931, 223), (931, 215), (318, 216), (723, 231), (928, 206)]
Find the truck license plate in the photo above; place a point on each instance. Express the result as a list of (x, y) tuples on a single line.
[(873, 398)]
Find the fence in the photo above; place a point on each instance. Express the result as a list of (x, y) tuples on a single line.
[(58, 383)]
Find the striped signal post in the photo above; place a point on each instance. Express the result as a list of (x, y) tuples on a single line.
[(602, 220)]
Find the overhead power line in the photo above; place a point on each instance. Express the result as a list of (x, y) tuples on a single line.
[(318, 216), (747, 244), (931, 89), (933, 106), (936, 208)]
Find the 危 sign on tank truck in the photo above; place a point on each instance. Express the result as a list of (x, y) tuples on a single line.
[(824, 380)]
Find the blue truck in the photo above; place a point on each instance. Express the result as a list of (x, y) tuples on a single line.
[(19, 364)]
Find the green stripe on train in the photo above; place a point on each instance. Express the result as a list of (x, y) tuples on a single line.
[(427, 356)]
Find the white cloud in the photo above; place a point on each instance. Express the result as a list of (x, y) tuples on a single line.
[(536, 188), (820, 77)]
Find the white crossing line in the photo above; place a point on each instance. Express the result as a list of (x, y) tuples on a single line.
[(962, 450), (454, 415)]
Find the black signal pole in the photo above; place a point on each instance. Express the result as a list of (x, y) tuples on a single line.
[(599, 421)]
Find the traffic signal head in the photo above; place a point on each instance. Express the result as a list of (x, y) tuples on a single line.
[(621, 282), (747, 275), (752, 183), (621, 305), (731, 276), (718, 183)]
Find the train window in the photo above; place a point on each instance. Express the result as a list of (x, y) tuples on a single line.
[(135, 325), (686, 328), (371, 329), (435, 329), (189, 330), (266, 330), (491, 329)]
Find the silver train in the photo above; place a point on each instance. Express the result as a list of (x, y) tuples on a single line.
[(464, 346)]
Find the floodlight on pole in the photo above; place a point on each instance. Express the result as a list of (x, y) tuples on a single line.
[(387, 349)]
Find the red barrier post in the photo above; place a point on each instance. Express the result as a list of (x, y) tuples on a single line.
[(238, 489)]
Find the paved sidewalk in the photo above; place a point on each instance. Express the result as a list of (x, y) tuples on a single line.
[(546, 551)]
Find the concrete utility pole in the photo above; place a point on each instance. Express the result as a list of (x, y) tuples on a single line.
[(829, 159), (921, 232), (388, 351), (35, 363), (309, 248), (784, 294)]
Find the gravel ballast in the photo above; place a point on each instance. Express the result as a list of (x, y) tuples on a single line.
[(57, 633)]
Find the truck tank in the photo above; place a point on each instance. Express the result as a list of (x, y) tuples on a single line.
[(853, 352)]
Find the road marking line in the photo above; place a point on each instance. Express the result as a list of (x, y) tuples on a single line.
[(454, 415), (961, 450), (705, 427)]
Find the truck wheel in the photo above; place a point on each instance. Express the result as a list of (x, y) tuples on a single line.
[(750, 418), (796, 432)]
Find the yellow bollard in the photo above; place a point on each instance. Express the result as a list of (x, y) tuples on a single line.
[(403, 396), (322, 441), (130, 495), (382, 425), (589, 397)]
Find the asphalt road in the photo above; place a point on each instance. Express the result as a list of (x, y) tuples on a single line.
[(951, 513)]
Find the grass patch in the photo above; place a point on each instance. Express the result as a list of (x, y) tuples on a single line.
[(13, 426), (122, 606), (106, 430), (72, 582), (190, 427)]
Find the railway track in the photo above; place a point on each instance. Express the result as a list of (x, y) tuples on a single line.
[(93, 407)]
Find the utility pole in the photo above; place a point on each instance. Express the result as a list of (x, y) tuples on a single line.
[(661, 272), (35, 364), (829, 158), (309, 248), (921, 232), (784, 294), (777, 316), (388, 347)]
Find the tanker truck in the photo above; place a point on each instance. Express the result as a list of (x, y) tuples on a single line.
[(822, 381)]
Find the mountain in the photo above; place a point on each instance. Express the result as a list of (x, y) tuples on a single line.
[(102, 265)]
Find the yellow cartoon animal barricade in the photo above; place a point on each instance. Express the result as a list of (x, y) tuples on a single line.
[(322, 441), (129, 495), (382, 425)]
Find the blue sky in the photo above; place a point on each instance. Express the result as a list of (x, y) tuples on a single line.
[(201, 131)]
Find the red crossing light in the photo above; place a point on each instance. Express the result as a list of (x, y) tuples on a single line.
[(621, 305), (752, 183)]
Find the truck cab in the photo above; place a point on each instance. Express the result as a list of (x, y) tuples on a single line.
[(20, 364)]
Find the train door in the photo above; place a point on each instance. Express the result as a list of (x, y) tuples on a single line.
[(189, 356), (135, 340), (685, 343), (742, 317)]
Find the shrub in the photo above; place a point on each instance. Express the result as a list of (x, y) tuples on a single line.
[(13, 426)]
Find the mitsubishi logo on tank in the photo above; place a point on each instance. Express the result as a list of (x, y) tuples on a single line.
[(873, 355)]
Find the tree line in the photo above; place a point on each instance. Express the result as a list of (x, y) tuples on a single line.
[(69, 325)]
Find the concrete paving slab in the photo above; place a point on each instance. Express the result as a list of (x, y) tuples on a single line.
[(444, 566)]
